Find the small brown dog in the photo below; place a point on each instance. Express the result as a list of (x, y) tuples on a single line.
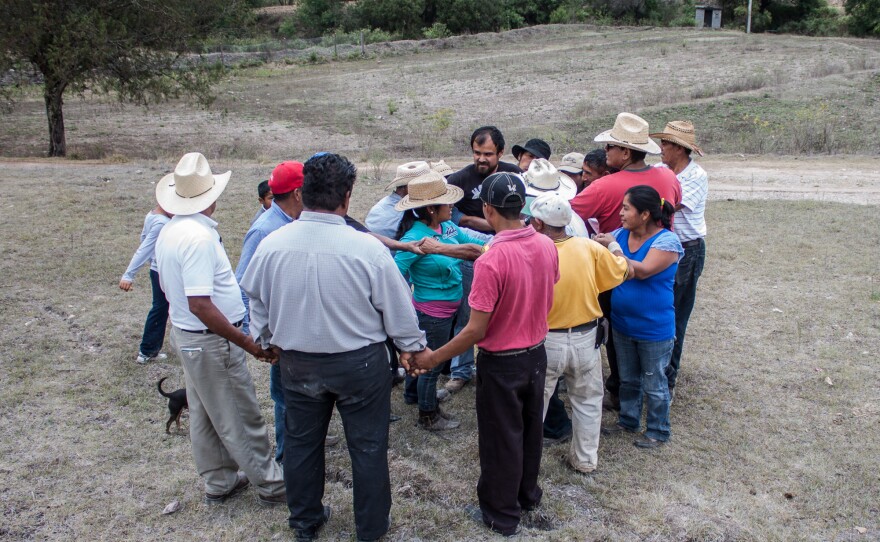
[(176, 403)]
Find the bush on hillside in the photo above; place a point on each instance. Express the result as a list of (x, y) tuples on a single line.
[(864, 17), (399, 16)]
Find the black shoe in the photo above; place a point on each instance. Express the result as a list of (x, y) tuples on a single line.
[(473, 511), (383, 534), (393, 418), (239, 486), (611, 402), (615, 429), (649, 443), (548, 441), (306, 535)]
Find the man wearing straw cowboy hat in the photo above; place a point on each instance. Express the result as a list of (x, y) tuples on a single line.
[(626, 145), (327, 297), (226, 428), (383, 218), (677, 141)]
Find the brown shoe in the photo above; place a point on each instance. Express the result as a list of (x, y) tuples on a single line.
[(432, 420), (240, 485), (455, 384), (272, 500)]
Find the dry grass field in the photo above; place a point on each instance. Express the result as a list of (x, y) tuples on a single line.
[(776, 424)]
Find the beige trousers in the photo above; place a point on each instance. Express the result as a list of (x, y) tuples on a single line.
[(574, 356), (225, 425)]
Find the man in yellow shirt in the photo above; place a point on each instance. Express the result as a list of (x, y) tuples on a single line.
[(586, 268)]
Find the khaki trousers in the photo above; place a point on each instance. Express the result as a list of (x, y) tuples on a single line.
[(575, 356), (225, 425)]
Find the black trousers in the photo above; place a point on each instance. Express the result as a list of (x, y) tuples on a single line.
[(358, 384), (510, 404), (556, 422), (612, 383)]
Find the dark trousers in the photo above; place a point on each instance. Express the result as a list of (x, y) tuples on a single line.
[(510, 405), (556, 422), (157, 318), (690, 267), (612, 383), (358, 383)]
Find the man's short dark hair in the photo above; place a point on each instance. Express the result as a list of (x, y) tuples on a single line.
[(263, 189), (281, 198), (637, 155), (509, 213), (596, 159), (482, 133), (326, 179)]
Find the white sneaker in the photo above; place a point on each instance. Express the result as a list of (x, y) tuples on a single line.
[(143, 358)]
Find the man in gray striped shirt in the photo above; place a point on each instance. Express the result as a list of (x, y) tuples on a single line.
[(327, 297)]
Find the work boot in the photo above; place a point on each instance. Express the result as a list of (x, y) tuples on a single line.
[(432, 420)]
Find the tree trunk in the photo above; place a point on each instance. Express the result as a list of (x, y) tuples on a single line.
[(53, 94)]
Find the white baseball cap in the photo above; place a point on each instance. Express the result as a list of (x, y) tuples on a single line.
[(552, 209)]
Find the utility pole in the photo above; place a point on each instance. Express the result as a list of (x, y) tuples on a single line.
[(749, 19)]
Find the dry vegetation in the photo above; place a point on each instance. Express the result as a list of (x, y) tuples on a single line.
[(777, 418)]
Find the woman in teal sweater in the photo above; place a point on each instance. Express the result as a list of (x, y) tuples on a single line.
[(436, 280)]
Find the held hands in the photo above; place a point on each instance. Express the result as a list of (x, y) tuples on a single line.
[(269, 356), (125, 285), (429, 245), (604, 239), (418, 363), (415, 247)]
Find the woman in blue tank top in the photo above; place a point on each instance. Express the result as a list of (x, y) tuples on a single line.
[(643, 312)]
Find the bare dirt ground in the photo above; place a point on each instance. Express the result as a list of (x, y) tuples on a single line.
[(777, 418)]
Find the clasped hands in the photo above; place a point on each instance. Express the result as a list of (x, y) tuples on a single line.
[(418, 363)]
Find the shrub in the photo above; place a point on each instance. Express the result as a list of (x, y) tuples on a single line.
[(864, 17), (462, 16), (401, 16), (436, 30)]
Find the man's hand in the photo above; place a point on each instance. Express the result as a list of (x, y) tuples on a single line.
[(125, 285), (604, 239), (418, 363), (415, 247), (429, 245), (268, 356)]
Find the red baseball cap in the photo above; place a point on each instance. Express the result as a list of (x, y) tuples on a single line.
[(286, 177)]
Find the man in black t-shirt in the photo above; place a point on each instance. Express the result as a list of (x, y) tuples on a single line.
[(487, 144)]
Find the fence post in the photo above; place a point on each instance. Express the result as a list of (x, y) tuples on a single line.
[(363, 45)]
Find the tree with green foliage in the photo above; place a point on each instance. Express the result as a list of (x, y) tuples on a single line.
[(462, 16), (864, 17), (400, 16), (132, 48)]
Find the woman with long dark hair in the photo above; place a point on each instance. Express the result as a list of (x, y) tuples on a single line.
[(643, 312), (436, 279)]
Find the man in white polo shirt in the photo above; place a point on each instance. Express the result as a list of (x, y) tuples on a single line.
[(226, 428), (677, 141)]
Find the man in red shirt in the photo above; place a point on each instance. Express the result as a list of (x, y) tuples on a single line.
[(626, 145), (509, 306)]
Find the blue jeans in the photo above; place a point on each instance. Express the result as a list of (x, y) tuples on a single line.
[(276, 391), (641, 364), (463, 364), (437, 333), (690, 267), (157, 318)]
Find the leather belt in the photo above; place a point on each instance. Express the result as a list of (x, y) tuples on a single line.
[(576, 329), (208, 331), (517, 352), (692, 243)]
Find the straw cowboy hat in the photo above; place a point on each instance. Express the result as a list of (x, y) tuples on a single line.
[(442, 168), (192, 187), (680, 132), (630, 131), (408, 172), (543, 177), (428, 189)]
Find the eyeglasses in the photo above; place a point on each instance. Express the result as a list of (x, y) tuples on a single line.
[(609, 146)]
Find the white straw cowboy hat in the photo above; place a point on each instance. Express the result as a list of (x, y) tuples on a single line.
[(429, 189), (630, 131), (192, 187), (543, 177), (407, 172), (572, 162), (442, 168), (680, 132)]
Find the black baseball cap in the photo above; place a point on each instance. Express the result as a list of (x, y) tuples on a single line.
[(506, 190)]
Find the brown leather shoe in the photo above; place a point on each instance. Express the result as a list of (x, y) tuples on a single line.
[(455, 385), (433, 421), (272, 500), (240, 485)]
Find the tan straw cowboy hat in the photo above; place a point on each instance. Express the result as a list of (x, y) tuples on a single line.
[(680, 132), (630, 131), (192, 187), (407, 172), (543, 177), (442, 168), (428, 189)]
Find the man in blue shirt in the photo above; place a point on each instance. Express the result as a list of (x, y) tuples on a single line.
[(286, 184)]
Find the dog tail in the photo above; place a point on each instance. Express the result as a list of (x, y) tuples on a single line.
[(159, 385)]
